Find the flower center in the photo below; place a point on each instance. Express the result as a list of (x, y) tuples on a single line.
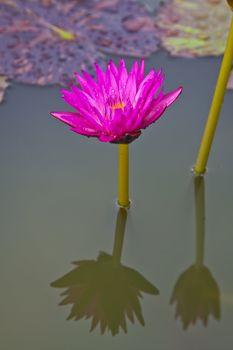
[(119, 105)]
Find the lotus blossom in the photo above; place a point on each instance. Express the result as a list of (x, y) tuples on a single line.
[(118, 104)]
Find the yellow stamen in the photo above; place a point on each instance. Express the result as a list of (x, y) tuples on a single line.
[(119, 105)]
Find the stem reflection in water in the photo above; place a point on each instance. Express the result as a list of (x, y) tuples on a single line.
[(196, 293), (104, 289)]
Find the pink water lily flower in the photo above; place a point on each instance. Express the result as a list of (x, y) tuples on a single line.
[(118, 104)]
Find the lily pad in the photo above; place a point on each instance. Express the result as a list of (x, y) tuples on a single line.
[(41, 45), (124, 28), (194, 28), (44, 41)]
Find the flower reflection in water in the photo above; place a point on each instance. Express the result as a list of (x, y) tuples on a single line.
[(104, 289), (196, 293)]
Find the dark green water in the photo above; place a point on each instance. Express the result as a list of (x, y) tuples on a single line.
[(57, 205)]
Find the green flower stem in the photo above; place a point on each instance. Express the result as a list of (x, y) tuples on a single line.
[(211, 124), (123, 176)]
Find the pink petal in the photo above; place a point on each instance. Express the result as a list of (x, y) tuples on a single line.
[(154, 114), (117, 126), (169, 98), (123, 77), (113, 69), (140, 74), (88, 100), (111, 86), (69, 97), (107, 138), (83, 83), (130, 90), (83, 103), (84, 96), (69, 118), (144, 85), (132, 114), (149, 93), (90, 86), (159, 107), (134, 68), (100, 74), (85, 131), (72, 119)]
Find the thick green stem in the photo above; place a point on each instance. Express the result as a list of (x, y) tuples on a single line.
[(217, 102), (123, 176)]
